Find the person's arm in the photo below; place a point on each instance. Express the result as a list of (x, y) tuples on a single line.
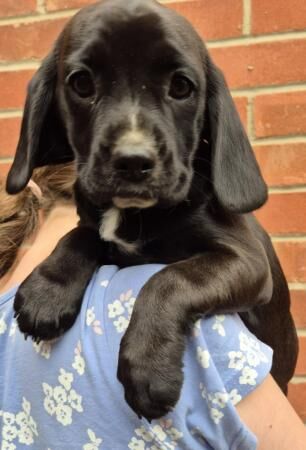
[(268, 413)]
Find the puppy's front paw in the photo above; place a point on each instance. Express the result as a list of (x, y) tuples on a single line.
[(45, 305), (150, 368)]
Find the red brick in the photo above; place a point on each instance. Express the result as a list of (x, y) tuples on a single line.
[(278, 15), (9, 133), (297, 398), (16, 7), (282, 165), (269, 63), (284, 213), (55, 5), (301, 362), (298, 307), (13, 88), (242, 107), (292, 256), (28, 41), (4, 168), (213, 19), (280, 114)]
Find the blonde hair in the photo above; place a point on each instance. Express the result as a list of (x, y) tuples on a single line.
[(19, 214)]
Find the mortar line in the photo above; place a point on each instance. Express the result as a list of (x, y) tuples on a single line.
[(268, 89), (291, 238), (247, 11), (41, 7), (287, 189), (260, 39), (297, 286)]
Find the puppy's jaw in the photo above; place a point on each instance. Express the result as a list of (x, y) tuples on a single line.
[(133, 202)]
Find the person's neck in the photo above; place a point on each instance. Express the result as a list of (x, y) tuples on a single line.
[(59, 222)]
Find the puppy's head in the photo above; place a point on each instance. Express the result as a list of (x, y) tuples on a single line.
[(131, 94)]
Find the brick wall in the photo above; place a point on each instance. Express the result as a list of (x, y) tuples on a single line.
[(261, 46)]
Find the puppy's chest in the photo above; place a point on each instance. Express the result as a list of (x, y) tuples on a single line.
[(144, 239), (111, 231)]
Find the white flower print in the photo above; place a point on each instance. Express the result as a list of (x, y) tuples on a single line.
[(136, 444), (49, 405), (92, 322), (60, 394), (217, 325), (26, 436), (26, 406), (251, 347), (78, 362), (6, 446), (216, 415), (125, 296), (9, 432), (3, 326), (22, 427), (159, 432), (220, 399), (90, 316), (121, 310), (144, 434), (161, 436), (63, 414), (234, 397), (248, 376), (8, 418), (94, 441), (62, 400), (43, 348), (115, 309), (216, 401), (121, 324), (104, 283), (65, 378), (237, 360), (175, 434), (21, 419), (203, 357), (75, 400), (130, 305)]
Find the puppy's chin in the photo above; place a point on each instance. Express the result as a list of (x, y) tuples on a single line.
[(134, 202)]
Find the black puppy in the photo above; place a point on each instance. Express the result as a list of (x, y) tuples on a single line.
[(165, 174)]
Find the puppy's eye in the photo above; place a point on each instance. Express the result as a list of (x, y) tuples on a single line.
[(82, 84), (181, 87)]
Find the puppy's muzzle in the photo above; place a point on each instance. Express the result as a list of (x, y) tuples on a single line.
[(134, 168)]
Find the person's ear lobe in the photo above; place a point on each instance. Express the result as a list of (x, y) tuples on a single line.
[(42, 138), (237, 180)]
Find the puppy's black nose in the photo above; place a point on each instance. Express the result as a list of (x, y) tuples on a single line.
[(134, 167)]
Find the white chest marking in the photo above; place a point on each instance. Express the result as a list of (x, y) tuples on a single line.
[(109, 225)]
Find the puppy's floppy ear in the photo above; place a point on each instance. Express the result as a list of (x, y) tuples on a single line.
[(236, 176), (42, 138)]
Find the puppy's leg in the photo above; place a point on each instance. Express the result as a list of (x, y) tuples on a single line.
[(151, 352), (48, 301)]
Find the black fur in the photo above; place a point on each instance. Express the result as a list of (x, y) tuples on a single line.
[(202, 178)]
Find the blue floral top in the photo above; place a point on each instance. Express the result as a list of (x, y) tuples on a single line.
[(65, 395)]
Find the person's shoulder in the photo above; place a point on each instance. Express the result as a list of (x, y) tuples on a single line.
[(241, 360)]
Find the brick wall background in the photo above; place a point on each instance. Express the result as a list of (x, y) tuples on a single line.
[(261, 46)]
